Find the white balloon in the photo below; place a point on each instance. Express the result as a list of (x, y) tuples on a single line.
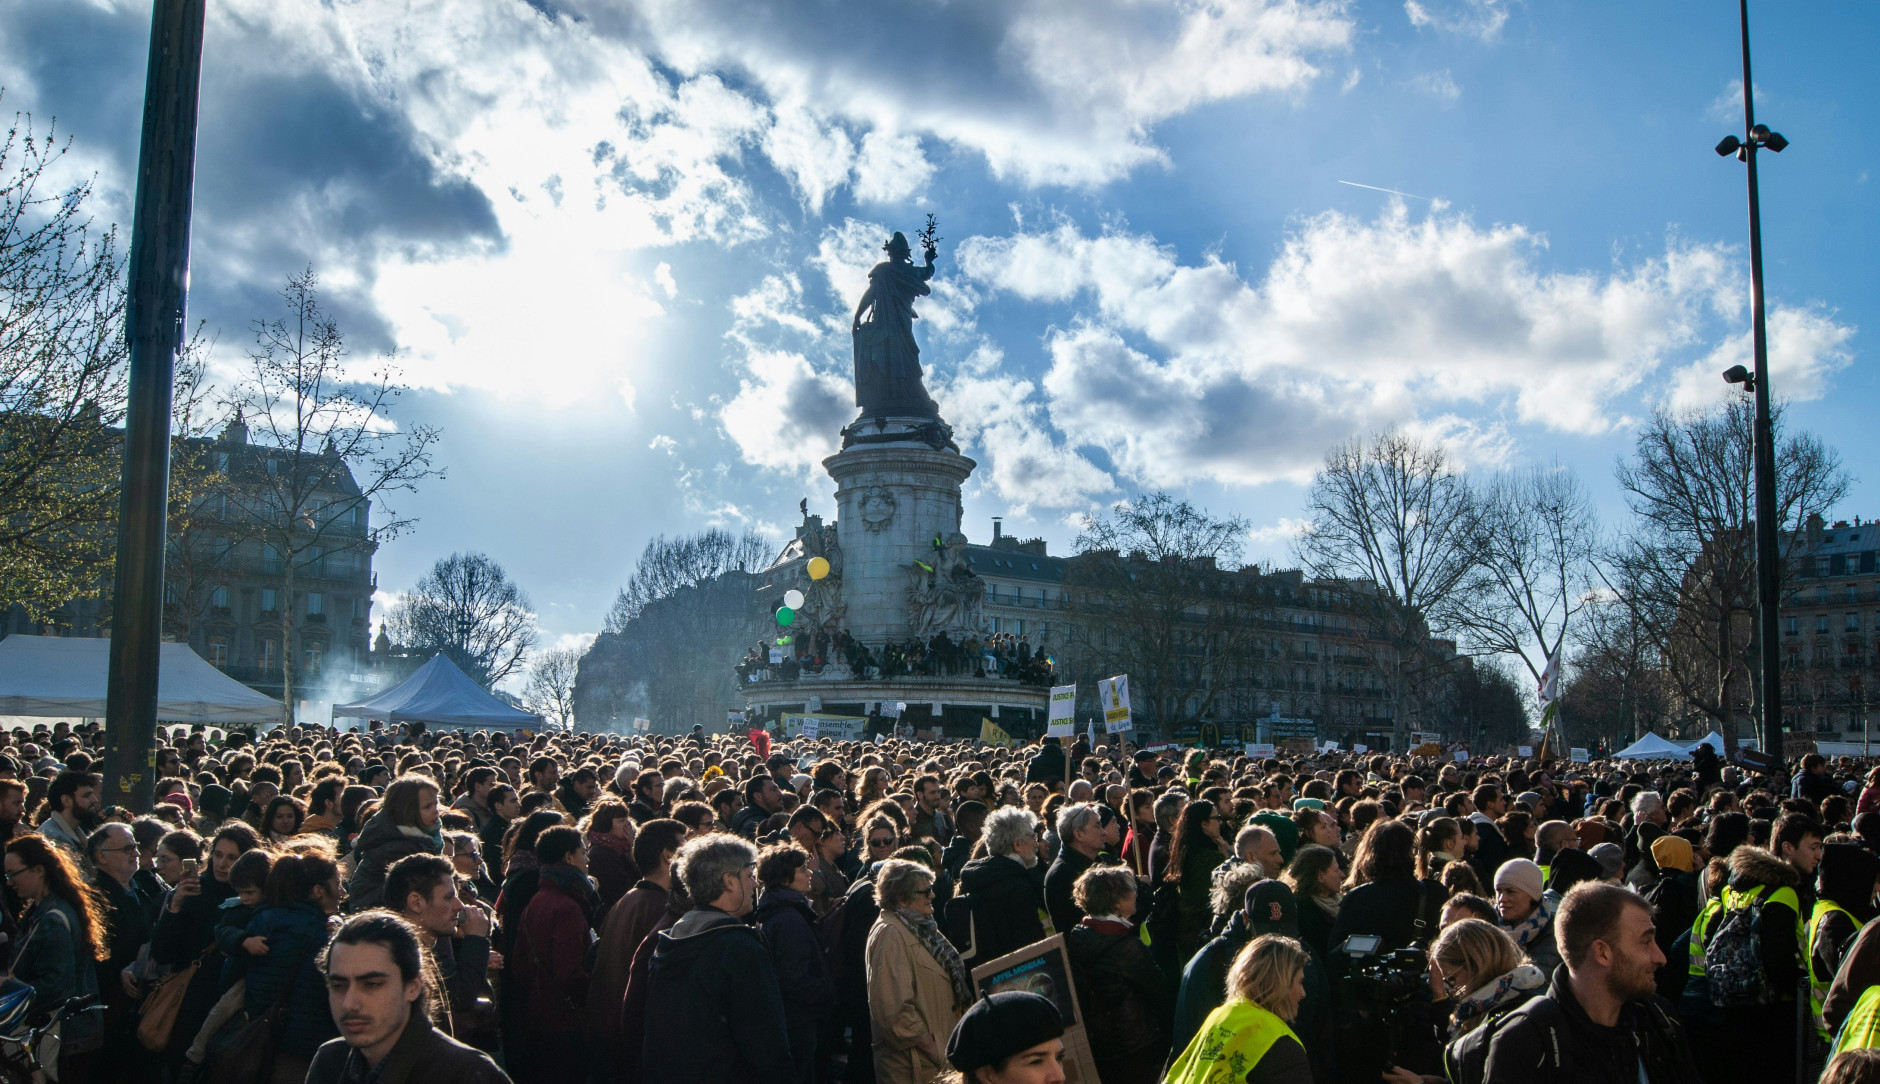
[(793, 599)]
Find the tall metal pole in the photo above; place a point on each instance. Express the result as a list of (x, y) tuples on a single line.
[(1768, 545), (159, 284)]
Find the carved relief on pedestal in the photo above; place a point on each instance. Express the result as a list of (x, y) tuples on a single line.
[(876, 506), (946, 595)]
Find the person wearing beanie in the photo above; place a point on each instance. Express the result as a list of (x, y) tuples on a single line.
[(1611, 859), (1012, 1037), (1527, 911)]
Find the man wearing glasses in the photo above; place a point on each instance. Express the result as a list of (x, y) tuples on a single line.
[(112, 853)]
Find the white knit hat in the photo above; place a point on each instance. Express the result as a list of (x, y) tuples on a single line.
[(1520, 875)]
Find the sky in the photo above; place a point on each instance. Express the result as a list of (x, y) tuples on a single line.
[(1186, 245)]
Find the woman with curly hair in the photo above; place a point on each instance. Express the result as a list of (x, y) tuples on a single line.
[(62, 936)]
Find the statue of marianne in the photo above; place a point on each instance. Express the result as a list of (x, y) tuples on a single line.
[(887, 361)]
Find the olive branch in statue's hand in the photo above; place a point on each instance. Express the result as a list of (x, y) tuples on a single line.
[(929, 236)]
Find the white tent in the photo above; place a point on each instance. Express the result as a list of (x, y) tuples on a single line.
[(1651, 747), (1712, 739), (63, 676), (440, 693)]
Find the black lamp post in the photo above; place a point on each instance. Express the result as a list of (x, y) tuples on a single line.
[(153, 322), (1768, 544)]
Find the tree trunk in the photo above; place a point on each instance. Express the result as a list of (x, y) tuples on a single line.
[(287, 636)]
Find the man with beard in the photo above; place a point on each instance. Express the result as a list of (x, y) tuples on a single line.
[(12, 808), (73, 808), (1601, 1021)]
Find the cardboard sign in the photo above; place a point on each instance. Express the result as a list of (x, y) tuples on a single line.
[(645, 725), (1462, 756), (1044, 968), (1330, 747), (1579, 755), (1258, 750), (1113, 699), (1360, 747), (1524, 750), (1062, 722), (809, 728)]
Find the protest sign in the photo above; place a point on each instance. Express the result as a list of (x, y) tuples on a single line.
[(1579, 755), (1258, 750), (1113, 699), (1044, 968), (1062, 721)]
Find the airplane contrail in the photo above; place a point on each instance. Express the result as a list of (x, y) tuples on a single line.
[(1392, 191)]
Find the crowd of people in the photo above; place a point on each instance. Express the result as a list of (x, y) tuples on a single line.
[(413, 905), (1000, 655)]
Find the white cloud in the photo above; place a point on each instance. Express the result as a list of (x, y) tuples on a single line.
[(663, 276), (1438, 84), (1806, 348), (1727, 107), (890, 168), (788, 412), (1188, 371), (1284, 529), (997, 419), (1476, 18)]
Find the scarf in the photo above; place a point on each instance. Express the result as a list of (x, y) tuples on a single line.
[(1327, 904), (1475, 1007), (576, 884), (435, 834), (1536, 922), (928, 931)]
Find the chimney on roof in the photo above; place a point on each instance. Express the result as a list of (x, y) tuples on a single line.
[(998, 527)]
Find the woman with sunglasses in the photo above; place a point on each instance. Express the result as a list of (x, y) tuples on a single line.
[(879, 839), (1478, 967), (917, 986), (62, 937)]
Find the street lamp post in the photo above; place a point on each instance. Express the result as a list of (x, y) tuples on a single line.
[(153, 323), (1768, 545)]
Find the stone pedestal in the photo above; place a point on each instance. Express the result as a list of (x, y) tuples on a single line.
[(893, 498)]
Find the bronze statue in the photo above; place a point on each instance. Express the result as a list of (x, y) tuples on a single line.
[(887, 360)]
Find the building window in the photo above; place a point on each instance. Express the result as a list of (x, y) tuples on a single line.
[(218, 597), (1852, 594), (218, 652), (359, 515), (1853, 622), (270, 558), (1821, 622), (1821, 596), (270, 600), (1790, 625), (268, 648), (315, 652), (316, 603), (221, 462)]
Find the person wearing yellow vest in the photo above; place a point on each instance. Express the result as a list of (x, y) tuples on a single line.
[(1845, 884), (1743, 1041), (1248, 1040)]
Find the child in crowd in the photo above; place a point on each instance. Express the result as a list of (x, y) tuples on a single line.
[(247, 877)]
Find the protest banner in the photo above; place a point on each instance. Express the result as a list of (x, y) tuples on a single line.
[(1044, 968), (1062, 722), (1258, 750), (1113, 699), (990, 733)]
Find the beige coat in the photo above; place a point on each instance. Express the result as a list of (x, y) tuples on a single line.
[(910, 995)]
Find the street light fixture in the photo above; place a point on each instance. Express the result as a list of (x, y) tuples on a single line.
[(1768, 547)]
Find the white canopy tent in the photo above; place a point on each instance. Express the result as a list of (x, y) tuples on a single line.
[(441, 694), (61, 676), (1712, 739), (1652, 747)]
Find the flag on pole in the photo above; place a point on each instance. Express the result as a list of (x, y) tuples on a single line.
[(990, 733)]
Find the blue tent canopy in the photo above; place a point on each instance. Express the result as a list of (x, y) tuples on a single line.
[(440, 694)]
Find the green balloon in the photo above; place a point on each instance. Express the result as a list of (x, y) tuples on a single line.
[(785, 615)]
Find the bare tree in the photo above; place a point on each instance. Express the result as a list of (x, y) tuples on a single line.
[(1533, 537), (326, 455), (1687, 565), (550, 691), (467, 609), (1152, 592), (1389, 512), (1614, 686), (667, 565)]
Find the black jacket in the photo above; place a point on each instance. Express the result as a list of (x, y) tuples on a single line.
[(1006, 902), (714, 1011), (1047, 764), (1390, 910), (789, 927), (1059, 902), (422, 1055), (1551, 1040), (1124, 998), (1490, 851)]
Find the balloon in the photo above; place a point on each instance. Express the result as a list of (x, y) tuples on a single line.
[(818, 567), (793, 599), (785, 615)]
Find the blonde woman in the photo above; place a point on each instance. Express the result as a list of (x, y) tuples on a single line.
[(1264, 988), (1476, 963)]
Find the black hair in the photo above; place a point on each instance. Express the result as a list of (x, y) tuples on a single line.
[(557, 843)]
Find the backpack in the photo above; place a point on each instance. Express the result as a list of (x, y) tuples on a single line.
[(960, 927), (1733, 956), (1465, 1061)]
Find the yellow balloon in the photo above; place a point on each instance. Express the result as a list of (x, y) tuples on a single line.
[(818, 567)]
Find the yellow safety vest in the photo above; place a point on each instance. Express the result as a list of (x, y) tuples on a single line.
[(1818, 986), (1230, 1043), (1738, 899), (1861, 1029), (1700, 932)]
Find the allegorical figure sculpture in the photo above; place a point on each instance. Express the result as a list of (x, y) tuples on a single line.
[(946, 596), (887, 361)]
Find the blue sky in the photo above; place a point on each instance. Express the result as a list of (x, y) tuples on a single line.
[(614, 243)]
